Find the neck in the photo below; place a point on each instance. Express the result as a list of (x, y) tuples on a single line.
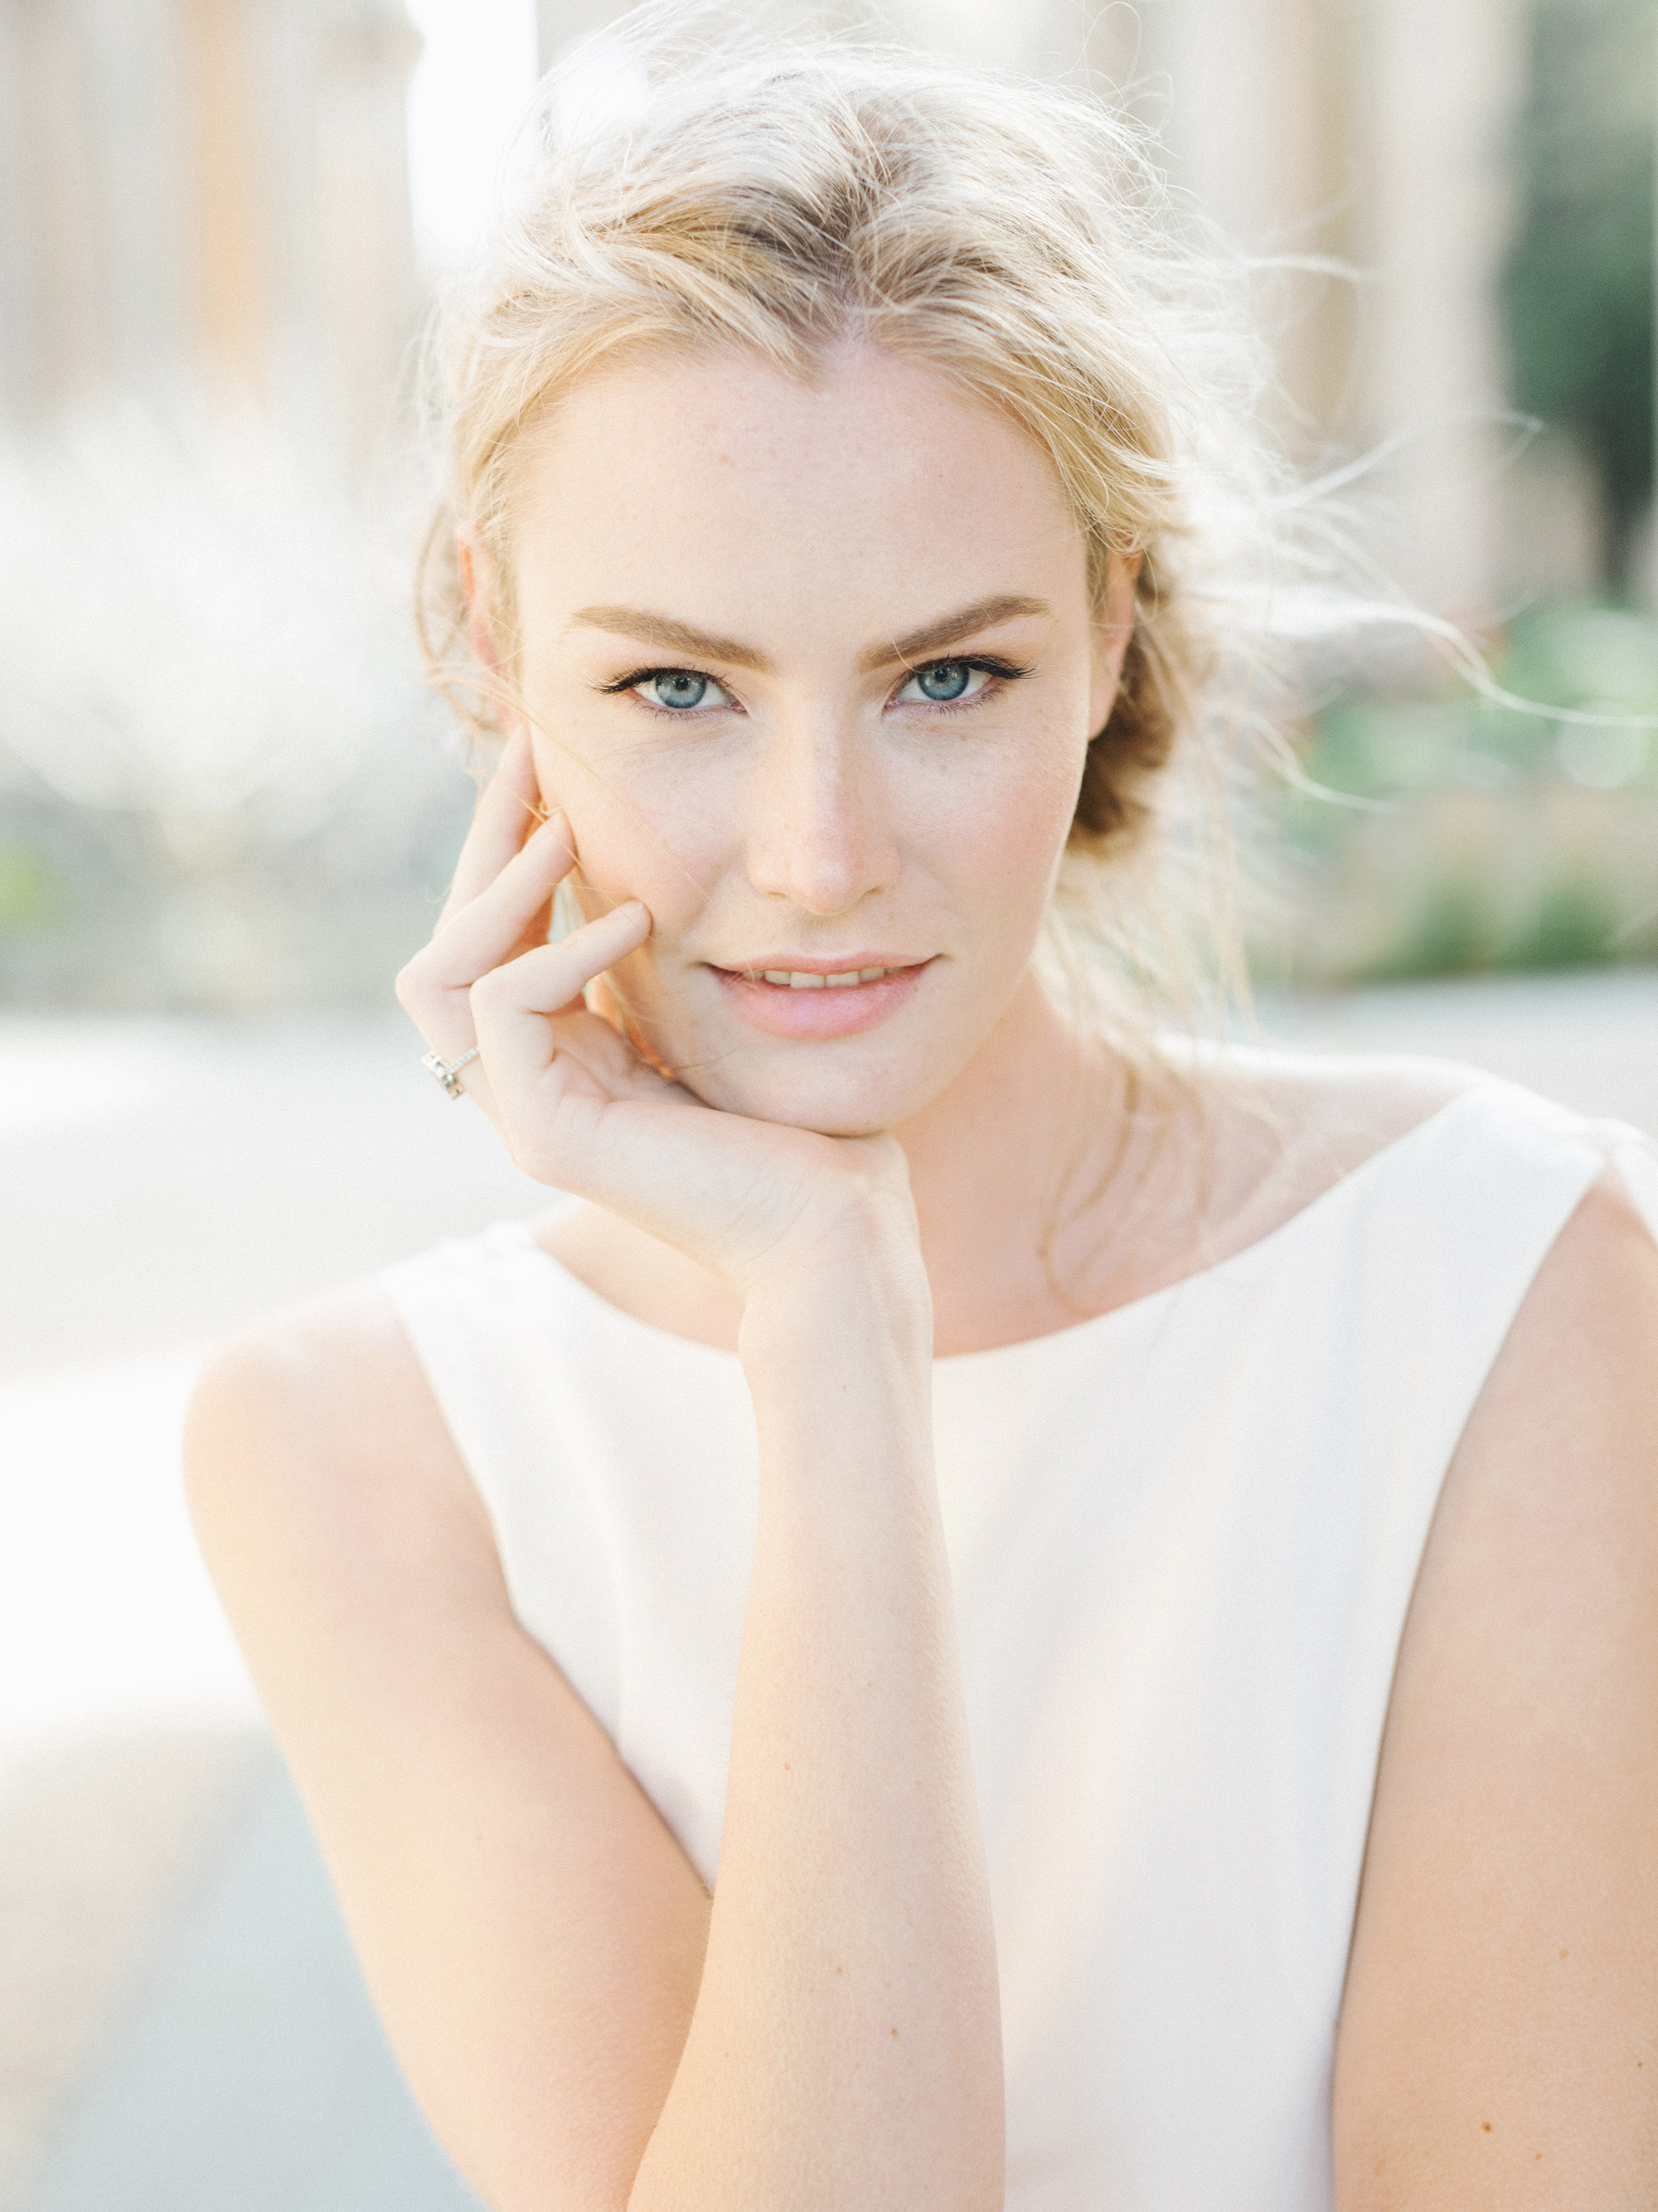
[(1000, 1161)]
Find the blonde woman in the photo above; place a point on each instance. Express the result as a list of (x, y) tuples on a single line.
[(987, 1612)]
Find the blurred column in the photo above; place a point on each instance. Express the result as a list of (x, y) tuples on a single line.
[(91, 265), (1442, 88), (54, 329), (227, 158), (307, 235), (207, 194), (1259, 123), (1378, 132), (334, 76)]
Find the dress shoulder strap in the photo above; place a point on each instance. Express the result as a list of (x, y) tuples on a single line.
[(1510, 1123)]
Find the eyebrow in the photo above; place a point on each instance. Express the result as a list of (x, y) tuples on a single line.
[(920, 644), (672, 636), (669, 635)]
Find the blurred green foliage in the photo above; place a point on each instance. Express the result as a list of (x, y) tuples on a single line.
[(1578, 287), (1596, 661), (32, 893), (1461, 833)]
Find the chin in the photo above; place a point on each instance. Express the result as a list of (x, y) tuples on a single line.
[(835, 1093)]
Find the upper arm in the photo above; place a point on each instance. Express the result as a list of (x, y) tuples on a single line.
[(531, 1931), (1498, 2045)]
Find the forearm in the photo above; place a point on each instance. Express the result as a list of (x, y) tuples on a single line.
[(845, 2050)]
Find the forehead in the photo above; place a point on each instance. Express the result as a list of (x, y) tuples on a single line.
[(716, 485)]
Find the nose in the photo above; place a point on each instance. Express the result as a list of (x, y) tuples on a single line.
[(820, 831)]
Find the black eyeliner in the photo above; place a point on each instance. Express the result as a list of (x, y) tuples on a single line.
[(665, 668), (1009, 670), (1006, 671)]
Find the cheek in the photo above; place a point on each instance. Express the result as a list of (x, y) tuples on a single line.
[(1007, 830), (637, 835)]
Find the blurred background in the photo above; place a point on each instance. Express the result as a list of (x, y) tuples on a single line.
[(228, 811), (222, 223)]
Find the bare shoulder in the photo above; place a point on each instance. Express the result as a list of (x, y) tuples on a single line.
[(316, 1459), (337, 1374), (514, 1898), (324, 1370), (1498, 2043)]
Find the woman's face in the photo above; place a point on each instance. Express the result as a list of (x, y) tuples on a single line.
[(811, 669)]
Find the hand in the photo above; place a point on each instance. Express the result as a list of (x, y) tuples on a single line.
[(580, 1109)]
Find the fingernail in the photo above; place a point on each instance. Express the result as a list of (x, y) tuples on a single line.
[(633, 909)]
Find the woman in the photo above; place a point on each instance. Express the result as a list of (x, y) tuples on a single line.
[(1042, 1512)]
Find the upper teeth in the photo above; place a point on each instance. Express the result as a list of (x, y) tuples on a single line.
[(798, 980)]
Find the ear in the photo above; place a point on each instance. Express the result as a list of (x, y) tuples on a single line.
[(1114, 626), (478, 576)]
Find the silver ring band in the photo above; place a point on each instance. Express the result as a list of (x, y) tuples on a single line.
[(447, 1071)]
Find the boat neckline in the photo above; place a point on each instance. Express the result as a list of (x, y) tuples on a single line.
[(1073, 1331)]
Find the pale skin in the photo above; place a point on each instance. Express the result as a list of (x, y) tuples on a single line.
[(586, 2028)]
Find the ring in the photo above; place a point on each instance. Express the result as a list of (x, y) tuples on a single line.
[(446, 1071)]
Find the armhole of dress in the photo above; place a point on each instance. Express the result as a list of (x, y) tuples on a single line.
[(1638, 1163)]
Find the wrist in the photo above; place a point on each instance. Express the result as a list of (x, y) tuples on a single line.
[(837, 1294), (840, 1372)]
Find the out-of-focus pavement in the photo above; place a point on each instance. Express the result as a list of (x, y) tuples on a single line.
[(183, 2027), (1590, 1041)]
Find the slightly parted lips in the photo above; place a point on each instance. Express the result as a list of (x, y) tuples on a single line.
[(822, 975)]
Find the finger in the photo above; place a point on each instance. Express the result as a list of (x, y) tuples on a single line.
[(508, 809), (493, 926), (433, 986), (507, 815), (511, 1004)]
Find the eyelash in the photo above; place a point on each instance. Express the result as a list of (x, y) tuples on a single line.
[(1005, 671)]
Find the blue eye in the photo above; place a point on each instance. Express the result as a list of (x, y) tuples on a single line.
[(955, 682), (945, 679), (680, 688)]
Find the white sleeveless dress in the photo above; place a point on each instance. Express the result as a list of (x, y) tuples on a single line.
[(1184, 1536)]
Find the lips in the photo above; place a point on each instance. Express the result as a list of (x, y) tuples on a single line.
[(822, 999), (811, 979)]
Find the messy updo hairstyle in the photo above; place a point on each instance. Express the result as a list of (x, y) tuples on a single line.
[(789, 197)]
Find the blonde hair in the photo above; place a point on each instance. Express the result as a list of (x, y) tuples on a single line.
[(787, 198)]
